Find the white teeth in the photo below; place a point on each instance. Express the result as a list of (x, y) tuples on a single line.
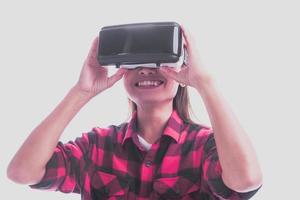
[(149, 83)]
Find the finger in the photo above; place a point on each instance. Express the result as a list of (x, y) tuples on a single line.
[(187, 35), (92, 55), (169, 72), (184, 36), (115, 77), (189, 39)]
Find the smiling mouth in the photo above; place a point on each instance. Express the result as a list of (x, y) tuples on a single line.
[(149, 84)]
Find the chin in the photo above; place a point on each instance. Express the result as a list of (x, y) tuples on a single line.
[(153, 102)]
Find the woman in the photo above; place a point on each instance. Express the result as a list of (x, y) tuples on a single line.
[(159, 154)]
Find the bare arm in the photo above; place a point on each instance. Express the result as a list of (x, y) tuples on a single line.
[(28, 164), (240, 167)]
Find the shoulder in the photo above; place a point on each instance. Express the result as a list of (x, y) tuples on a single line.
[(199, 133), (113, 132), (199, 130)]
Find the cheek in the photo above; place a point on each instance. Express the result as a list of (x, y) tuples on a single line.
[(126, 85), (126, 81), (173, 83), (173, 87)]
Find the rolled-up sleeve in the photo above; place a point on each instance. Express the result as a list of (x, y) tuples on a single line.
[(212, 174), (65, 167)]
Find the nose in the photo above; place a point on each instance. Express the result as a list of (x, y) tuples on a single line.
[(147, 71)]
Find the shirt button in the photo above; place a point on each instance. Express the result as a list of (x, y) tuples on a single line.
[(106, 191), (148, 163)]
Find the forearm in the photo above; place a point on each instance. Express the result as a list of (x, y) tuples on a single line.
[(241, 170), (29, 162)]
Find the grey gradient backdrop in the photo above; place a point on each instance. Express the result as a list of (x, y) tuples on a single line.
[(251, 47)]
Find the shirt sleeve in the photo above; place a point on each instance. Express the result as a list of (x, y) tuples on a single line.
[(63, 170), (212, 172)]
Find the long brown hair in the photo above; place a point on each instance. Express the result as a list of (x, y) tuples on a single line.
[(181, 103)]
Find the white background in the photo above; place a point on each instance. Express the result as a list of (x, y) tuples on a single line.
[(251, 47)]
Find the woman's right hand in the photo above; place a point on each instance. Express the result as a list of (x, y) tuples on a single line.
[(94, 77)]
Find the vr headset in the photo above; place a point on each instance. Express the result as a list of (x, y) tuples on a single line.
[(142, 45)]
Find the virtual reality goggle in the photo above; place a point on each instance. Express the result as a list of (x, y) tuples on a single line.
[(142, 45)]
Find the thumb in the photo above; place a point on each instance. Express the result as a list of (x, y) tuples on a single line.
[(169, 72), (115, 77)]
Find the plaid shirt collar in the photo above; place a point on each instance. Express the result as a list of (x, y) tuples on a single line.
[(173, 128)]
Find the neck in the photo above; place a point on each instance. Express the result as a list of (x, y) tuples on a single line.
[(152, 121)]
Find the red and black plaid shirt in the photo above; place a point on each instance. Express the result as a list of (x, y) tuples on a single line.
[(110, 163)]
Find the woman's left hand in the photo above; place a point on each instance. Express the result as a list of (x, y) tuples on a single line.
[(193, 73)]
